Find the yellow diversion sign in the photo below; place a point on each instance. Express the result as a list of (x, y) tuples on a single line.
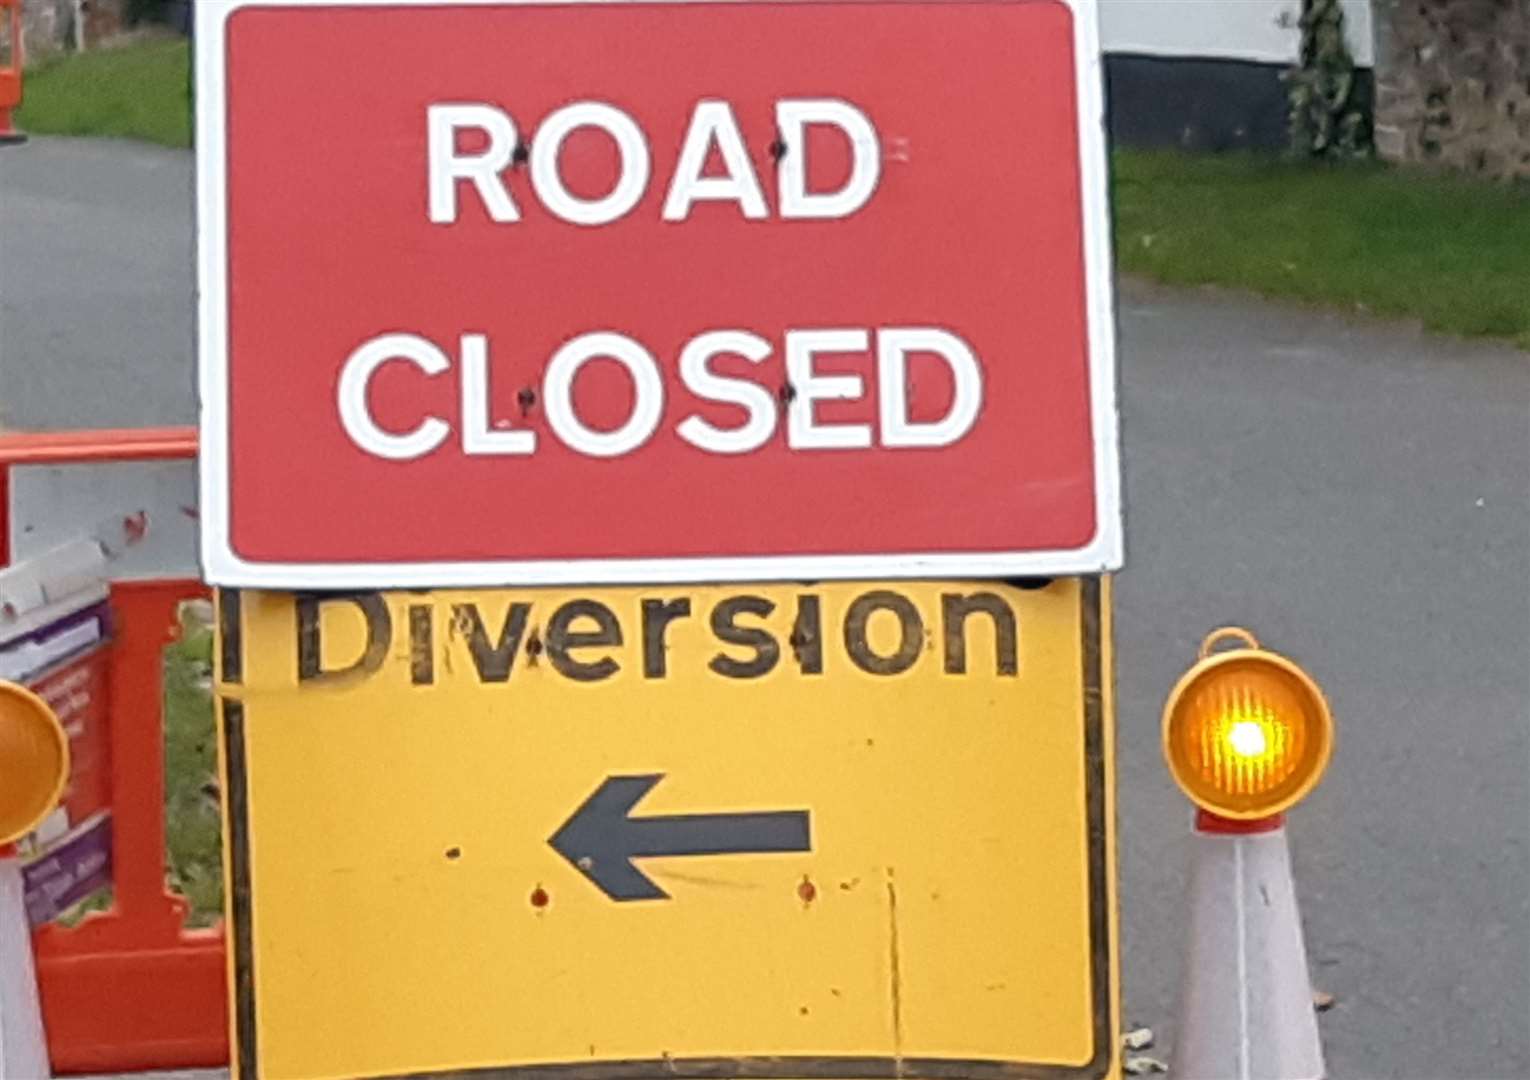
[(792, 831)]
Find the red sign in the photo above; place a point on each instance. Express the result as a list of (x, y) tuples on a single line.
[(602, 292)]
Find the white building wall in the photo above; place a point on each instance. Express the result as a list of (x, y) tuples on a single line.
[(1257, 30)]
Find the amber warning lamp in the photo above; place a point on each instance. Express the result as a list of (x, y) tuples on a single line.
[(1246, 732), (34, 761)]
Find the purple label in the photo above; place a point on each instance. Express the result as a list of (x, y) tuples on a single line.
[(70, 871), (28, 655)]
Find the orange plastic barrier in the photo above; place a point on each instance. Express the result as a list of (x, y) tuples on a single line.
[(10, 73), (128, 988)]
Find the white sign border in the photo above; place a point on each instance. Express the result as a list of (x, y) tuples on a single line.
[(221, 565)]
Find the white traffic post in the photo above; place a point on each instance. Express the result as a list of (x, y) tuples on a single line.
[(34, 767), (1245, 1009), (23, 1048), (1247, 734)]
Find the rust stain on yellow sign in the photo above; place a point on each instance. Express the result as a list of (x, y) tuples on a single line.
[(791, 831)]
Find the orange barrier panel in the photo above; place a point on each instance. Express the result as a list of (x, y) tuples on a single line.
[(10, 73), (129, 988)]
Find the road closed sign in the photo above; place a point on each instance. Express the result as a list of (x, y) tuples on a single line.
[(844, 830), (555, 293)]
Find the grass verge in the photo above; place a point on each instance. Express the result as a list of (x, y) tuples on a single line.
[(133, 91), (1451, 251)]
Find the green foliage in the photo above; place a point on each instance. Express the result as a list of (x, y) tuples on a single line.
[(138, 91), (193, 830), (145, 10), (1326, 119), (1451, 251)]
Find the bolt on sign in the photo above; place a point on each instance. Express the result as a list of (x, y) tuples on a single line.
[(852, 830), (562, 293)]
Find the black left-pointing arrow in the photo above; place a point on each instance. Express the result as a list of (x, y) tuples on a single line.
[(602, 837)]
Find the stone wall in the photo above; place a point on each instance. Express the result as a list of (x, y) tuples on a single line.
[(1453, 84), (104, 19), (44, 26), (48, 25)]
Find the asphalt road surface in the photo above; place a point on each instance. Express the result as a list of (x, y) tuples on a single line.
[(1355, 491)]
